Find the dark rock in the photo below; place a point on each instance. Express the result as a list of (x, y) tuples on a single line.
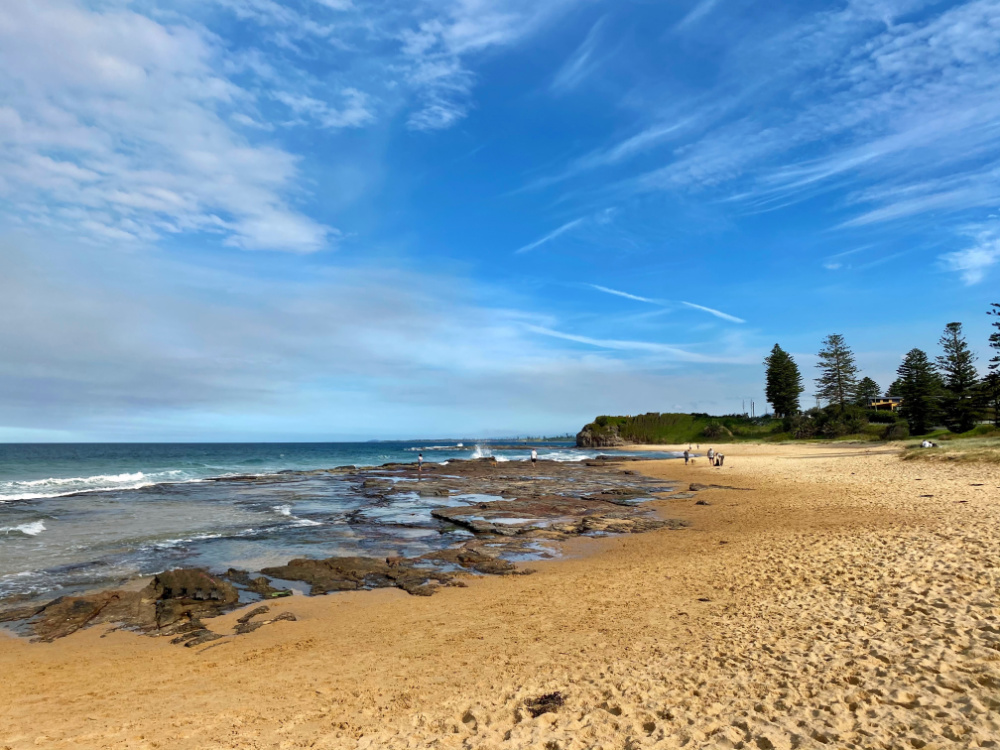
[(204, 636), (550, 702), (173, 603), (433, 492), (245, 626), (471, 559), (259, 585), (356, 573), (552, 516), (591, 437), (261, 610), (192, 585)]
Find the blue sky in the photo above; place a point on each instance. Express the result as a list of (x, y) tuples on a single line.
[(331, 219)]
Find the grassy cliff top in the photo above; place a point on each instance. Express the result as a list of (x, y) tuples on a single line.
[(677, 428)]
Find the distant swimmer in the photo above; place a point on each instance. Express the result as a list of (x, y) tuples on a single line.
[(534, 456)]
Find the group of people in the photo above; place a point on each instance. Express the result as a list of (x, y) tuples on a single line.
[(714, 457)]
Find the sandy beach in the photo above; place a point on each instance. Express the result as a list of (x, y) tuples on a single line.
[(840, 598)]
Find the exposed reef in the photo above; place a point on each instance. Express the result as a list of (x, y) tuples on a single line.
[(502, 513)]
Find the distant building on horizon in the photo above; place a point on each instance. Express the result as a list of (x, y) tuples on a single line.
[(892, 403)]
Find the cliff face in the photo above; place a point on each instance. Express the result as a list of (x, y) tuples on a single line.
[(593, 436)]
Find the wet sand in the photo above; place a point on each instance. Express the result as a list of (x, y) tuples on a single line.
[(849, 599)]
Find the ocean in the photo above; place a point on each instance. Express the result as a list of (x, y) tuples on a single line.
[(84, 516)]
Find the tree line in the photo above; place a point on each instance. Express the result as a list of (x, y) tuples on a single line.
[(947, 390)]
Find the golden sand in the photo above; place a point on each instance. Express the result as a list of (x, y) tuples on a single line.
[(849, 599)]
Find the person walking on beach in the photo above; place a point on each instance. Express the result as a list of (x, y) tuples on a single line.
[(687, 456), (722, 459), (711, 456), (534, 457)]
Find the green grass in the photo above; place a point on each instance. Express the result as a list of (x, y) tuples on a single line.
[(981, 444), (675, 429), (672, 429)]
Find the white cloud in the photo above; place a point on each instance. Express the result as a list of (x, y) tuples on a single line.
[(145, 346), (665, 350), (130, 123), (698, 12), (626, 295), (582, 63), (355, 112), (900, 114), (716, 313), (437, 50), (973, 263), (569, 225)]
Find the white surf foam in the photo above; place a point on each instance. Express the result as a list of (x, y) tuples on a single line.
[(34, 528), (35, 489), (286, 510)]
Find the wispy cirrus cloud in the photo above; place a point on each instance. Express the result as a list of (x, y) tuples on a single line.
[(582, 62), (700, 10), (662, 303), (436, 49), (898, 117), (626, 295), (713, 311), (557, 232), (668, 351)]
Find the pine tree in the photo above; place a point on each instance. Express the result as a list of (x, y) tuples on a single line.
[(893, 389), (961, 402), (867, 390), (920, 389), (784, 382), (991, 383), (838, 380), (990, 389), (995, 337)]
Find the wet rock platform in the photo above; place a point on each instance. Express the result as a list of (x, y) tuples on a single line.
[(501, 513)]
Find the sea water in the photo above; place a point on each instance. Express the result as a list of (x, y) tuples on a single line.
[(81, 516)]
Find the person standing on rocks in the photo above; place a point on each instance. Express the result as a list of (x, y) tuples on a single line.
[(534, 457), (420, 463)]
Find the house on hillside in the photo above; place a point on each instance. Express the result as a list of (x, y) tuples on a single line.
[(889, 403)]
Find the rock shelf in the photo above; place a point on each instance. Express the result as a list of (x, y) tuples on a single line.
[(510, 511)]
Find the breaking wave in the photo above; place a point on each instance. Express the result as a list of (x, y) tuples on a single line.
[(33, 489), (34, 528)]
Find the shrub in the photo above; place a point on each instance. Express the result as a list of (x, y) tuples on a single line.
[(882, 416), (897, 431), (716, 430)]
